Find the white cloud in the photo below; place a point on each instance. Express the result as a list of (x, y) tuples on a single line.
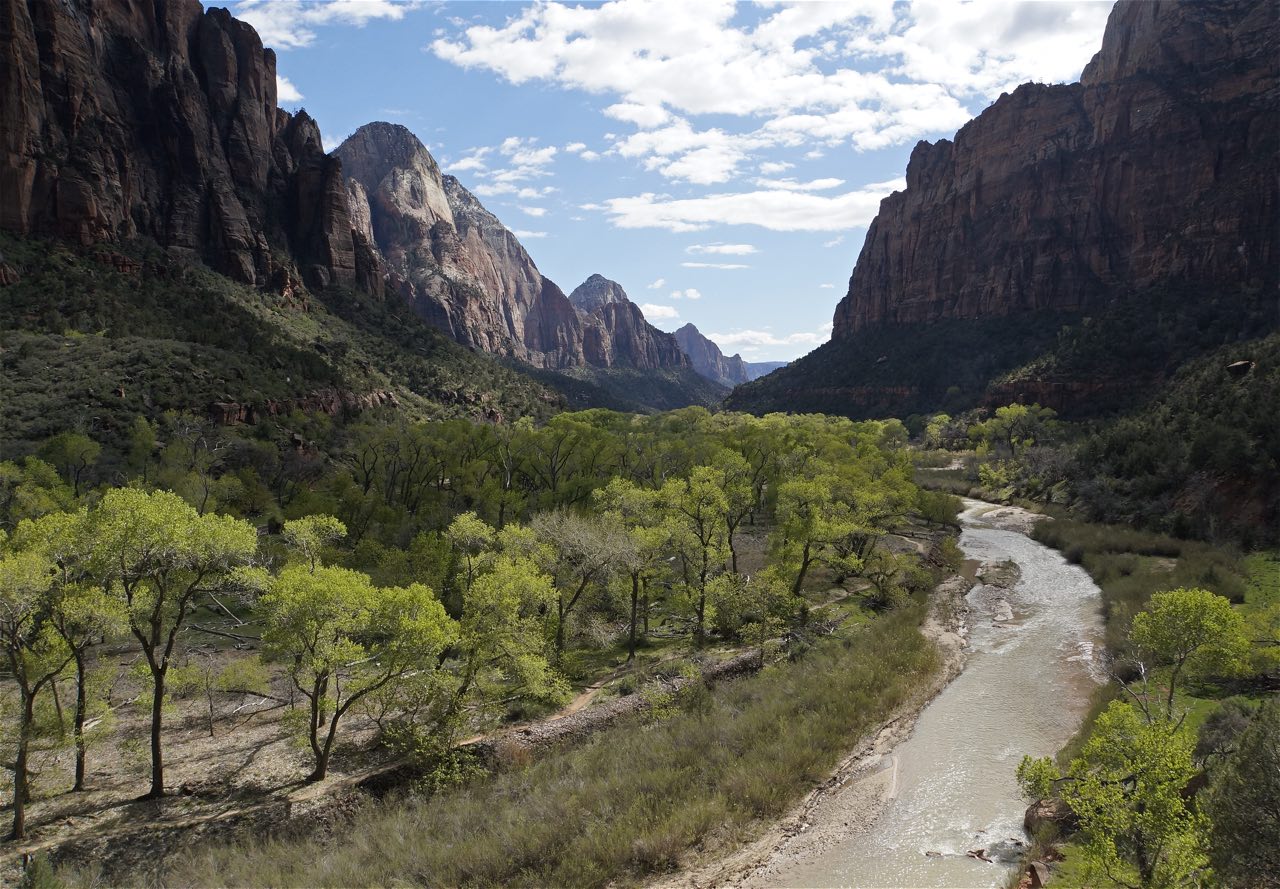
[(866, 73), (772, 168), (654, 312), (691, 293), (834, 242), (589, 155), (756, 338), (534, 211), (714, 265), (658, 284), (525, 193), (473, 160), (827, 286), (526, 235), (793, 185), (575, 147), (722, 249), (286, 92), (644, 116), (777, 210), (288, 24)]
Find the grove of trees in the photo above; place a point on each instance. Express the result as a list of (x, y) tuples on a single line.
[(421, 571)]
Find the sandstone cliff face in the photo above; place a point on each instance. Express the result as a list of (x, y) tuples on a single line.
[(121, 119), (466, 273), (455, 262), (615, 333), (713, 364), (1159, 166)]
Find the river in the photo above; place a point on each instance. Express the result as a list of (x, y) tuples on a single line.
[(1024, 690)]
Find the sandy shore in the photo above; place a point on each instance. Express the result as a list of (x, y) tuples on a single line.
[(851, 799)]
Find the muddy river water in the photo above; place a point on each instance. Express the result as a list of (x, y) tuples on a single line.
[(1024, 690)]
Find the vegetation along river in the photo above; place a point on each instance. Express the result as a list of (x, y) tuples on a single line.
[(1024, 690)]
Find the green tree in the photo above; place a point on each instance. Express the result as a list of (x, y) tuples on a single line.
[(696, 509), (309, 535), (1243, 803), (1127, 789), (74, 454), (343, 639), (583, 550), (1190, 629), (35, 653), (162, 558), (639, 511)]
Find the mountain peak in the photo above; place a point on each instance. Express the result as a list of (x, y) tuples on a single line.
[(597, 291)]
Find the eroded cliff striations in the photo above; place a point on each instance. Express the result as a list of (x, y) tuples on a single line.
[(708, 360), (1159, 166), (615, 333), (122, 119)]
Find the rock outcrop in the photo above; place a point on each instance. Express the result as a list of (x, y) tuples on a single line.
[(460, 267), (467, 274), (713, 364), (121, 119), (615, 333), (1159, 166)]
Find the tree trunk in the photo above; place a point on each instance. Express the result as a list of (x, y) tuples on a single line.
[(81, 707), (21, 786), (560, 625), (635, 601), (805, 561), (157, 721), (644, 584)]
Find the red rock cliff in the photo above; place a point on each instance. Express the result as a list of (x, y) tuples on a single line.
[(1160, 165), (121, 119)]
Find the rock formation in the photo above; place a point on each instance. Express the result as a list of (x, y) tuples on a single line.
[(466, 273), (709, 361), (615, 333), (1159, 166), (121, 119), (455, 262)]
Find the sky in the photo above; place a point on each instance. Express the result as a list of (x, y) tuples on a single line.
[(719, 160)]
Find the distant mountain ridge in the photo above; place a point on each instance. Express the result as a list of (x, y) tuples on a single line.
[(156, 123), (1073, 240), (709, 361)]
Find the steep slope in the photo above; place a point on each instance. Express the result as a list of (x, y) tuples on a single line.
[(709, 361), (1148, 185), (91, 337), (615, 332), (450, 257), (122, 119)]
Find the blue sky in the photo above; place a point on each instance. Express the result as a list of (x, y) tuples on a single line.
[(721, 161)]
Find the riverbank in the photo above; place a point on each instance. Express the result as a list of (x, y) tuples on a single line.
[(859, 786), (845, 807)]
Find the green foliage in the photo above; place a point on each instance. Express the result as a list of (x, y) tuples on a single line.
[(1036, 777), (629, 804), (1126, 787), (1243, 805), (1192, 629)]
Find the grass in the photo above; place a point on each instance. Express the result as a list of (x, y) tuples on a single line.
[(1129, 565), (629, 804)]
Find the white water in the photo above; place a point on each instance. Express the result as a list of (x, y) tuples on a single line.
[(1024, 690)]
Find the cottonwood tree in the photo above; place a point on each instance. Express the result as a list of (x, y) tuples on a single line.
[(639, 512), (35, 654), (696, 508), (162, 558), (1191, 629), (502, 634), (343, 639), (582, 551)]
